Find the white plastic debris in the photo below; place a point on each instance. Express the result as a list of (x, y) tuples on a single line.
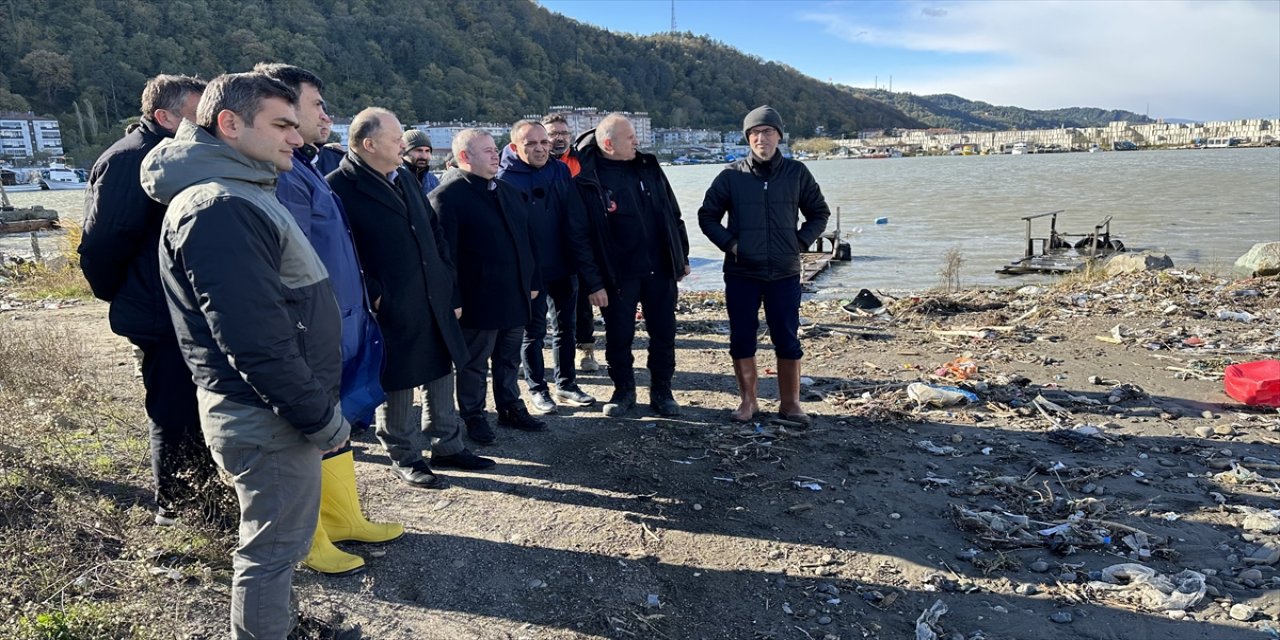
[(926, 623), (1152, 590)]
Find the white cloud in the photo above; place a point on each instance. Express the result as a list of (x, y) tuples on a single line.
[(1206, 60)]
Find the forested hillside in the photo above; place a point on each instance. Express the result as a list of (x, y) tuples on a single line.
[(85, 61), (954, 112)]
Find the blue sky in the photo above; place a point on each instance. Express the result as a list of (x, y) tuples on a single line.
[(1212, 60)]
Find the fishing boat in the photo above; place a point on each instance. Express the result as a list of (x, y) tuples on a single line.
[(1019, 148), (1062, 252)]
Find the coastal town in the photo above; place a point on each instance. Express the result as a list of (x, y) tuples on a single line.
[(30, 143)]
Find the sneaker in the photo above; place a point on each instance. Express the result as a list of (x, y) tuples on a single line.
[(479, 431), (166, 518), (419, 475), (464, 460), (517, 417), (542, 402), (661, 401), (586, 358), (620, 403), (572, 394)]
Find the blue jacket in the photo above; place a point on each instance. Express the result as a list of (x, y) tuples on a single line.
[(320, 215), (548, 193)]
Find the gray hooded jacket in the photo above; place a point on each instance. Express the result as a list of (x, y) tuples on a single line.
[(256, 317)]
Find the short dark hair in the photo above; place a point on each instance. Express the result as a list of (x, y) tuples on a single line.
[(290, 75), (552, 118), (168, 92), (241, 94)]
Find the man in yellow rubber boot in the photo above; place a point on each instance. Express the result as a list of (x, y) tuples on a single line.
[(318, 212)]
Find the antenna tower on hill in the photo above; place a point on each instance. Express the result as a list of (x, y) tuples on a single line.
[(673, 17)]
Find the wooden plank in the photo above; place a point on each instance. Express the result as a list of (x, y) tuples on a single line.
[(24, 226)]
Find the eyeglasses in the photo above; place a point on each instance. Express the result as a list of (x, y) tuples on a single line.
[(763, 131), (558, 134)]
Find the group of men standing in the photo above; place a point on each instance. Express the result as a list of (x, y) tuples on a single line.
[(280, 306)]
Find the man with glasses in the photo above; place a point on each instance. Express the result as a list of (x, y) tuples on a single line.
[(526, 165), (764, 195), (584, 320)]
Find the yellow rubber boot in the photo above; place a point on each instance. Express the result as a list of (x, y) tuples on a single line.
[(340, 514), (330, 560)]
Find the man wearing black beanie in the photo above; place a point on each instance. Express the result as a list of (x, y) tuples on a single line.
[(764, 196)]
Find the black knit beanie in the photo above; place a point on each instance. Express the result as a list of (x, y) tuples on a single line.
[(762, 115)]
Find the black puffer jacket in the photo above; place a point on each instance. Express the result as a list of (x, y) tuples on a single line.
[(764, 202), (597, 260)]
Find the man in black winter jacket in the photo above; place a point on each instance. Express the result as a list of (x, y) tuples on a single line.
[(487, 227), (640, 250), (762, 194), (118, 254)]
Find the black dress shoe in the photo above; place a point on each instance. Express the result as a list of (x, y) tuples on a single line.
[(518, 417), (419, 475), (479, 431), (464, 460)]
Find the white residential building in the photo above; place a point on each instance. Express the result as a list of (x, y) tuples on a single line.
[(583, 119), (22, 135)]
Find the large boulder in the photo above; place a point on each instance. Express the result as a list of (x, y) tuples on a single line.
[(1262, 260), (1134, 262)]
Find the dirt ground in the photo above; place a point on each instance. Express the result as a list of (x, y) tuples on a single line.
[(1101, 436)]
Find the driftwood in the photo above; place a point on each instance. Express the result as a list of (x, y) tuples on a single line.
[(24, 226)]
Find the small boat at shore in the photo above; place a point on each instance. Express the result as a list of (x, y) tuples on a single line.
[(60, 177)]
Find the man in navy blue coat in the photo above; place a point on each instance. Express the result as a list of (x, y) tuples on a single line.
[(319, 214), (548, 193)]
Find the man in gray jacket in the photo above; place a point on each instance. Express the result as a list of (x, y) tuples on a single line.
[(258, 325)]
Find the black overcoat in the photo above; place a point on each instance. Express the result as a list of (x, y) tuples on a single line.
[(409, 272), (487, 224)]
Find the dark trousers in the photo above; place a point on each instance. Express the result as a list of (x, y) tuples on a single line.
[(781, 299), (180, 461), (658, 296), (499, 348), (559, 301), (585, 326)]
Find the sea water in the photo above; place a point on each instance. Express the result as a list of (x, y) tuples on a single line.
[(1204, 208)]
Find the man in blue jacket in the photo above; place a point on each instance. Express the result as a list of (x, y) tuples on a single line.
[(546, 189), (258, 325), (764, 196), (119, 259), (318, 212)]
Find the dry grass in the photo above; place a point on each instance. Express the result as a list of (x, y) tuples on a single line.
[(77, 547), (952, 261), (55, 276)]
